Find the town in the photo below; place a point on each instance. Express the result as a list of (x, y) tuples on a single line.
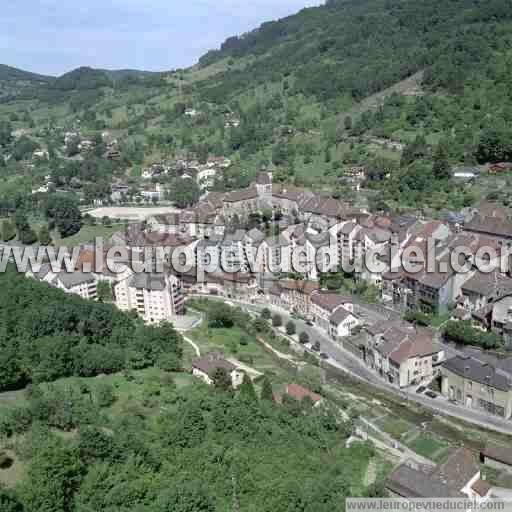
[(395, 334), (256, 269)]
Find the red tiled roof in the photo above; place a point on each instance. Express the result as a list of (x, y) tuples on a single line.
[(299, 393), (481, 487)]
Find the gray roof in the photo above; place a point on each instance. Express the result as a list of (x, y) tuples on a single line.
[(478, 371), (210, 362), (340, 315), (237, 236), (145, 281), (72, 279), (256, 235), (487, 284), (411, 483)]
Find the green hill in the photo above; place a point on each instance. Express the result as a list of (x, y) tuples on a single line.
[(8, 73), (312, 92)]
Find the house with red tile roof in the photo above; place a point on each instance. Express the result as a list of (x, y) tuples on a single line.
[(299, 393)]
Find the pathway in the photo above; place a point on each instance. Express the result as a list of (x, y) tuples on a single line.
[(371, 473), (193, 345)]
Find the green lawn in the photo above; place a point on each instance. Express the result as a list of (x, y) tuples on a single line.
[(395, 427), (87, 234), (238, 344), (428, 446)]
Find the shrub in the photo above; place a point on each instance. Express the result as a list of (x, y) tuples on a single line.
[(266, 314), (303, 338), (277, 320), (290, 328)]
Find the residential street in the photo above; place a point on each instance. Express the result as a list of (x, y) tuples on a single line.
[(343, 360)]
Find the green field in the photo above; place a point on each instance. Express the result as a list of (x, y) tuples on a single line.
[(87, 235), (429, 446)]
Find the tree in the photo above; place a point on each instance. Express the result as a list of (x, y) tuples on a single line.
[(246, 391), (25, 233), (105, 396), (303, 338), (23, 148), (72, 148), (290, 328), (8, 230), (266, 314), (94, 443), (441, 166), (9, 502), (266, 390), (52, 479), (494, 145), (347, 123), (189, 496), (63, 212), (220, 316), (184, 192), (44, 236), (221, 379), (104, 291), (277, 320)]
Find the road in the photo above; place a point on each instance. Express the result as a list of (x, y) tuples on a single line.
[(349, 363)]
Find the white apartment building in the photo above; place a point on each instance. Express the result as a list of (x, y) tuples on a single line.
[(155, 297)]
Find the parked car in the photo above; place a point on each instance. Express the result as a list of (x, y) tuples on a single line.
[(309, 322), (316, 346), (323, 355), (421, 389), (431, 394)]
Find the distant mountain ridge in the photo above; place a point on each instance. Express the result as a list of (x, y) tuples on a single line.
[(9, 73)]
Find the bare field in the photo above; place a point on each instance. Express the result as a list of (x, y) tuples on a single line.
[(130, 212)]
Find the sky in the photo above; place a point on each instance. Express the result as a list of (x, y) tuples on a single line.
[(56, 36)]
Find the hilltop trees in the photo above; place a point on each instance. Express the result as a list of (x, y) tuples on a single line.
[(441, 166), (184, 192), (63, 213), (495, 145)]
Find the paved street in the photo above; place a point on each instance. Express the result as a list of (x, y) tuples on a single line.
[(346, 361)]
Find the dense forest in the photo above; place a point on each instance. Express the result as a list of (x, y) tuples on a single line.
[(209, 450), (181, 447), (46, 334)]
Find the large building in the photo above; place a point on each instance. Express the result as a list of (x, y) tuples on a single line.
[(402, 353), (155, 297), (477, 385)]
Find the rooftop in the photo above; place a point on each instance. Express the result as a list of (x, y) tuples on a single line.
[(478, 371)]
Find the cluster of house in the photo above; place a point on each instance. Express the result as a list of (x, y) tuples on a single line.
[(85, 145), (403, 354), (310, 220), (205, 173)]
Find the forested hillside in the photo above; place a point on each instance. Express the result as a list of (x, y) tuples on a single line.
[(46, 334), (307, 95)]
